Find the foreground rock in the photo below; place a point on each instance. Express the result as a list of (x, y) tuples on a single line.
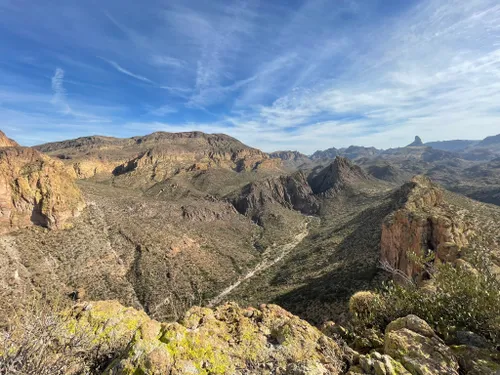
[(227, 340), (410, 347), (413, 343), (34, 189)]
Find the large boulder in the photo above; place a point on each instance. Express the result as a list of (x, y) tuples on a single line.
[(413, 343)]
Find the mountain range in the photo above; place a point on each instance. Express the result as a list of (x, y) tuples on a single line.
[(168, 221)]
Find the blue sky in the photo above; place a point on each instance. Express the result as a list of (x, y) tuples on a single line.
[(278, 74)]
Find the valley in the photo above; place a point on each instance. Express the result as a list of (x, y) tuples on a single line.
[(170, 221)]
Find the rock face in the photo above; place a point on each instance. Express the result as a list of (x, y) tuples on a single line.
[(35, 190), (227, 340), (425, 224), (291, 191), (338, 175), (414, 344)]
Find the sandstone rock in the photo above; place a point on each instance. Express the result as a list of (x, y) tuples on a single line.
[(413, 343), (35, 190), (228, 340)]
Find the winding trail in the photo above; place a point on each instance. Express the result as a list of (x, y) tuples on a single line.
[(263, 265)]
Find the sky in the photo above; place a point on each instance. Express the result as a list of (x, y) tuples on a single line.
[(278, 75)]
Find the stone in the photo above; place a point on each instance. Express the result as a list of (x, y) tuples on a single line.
[(411, 342), (228, 338)]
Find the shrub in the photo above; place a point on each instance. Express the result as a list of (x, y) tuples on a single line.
[(458, 297), (42, 340)]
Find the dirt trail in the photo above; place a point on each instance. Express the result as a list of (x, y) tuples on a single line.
[(279, 251)]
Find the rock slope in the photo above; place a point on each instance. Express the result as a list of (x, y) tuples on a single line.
[(291, 191), (337, 176)]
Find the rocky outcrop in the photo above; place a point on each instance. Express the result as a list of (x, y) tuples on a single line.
[(410, 347), (338, 175), (6, 142), (35, 190), (290, 191), (423, 225), (413, 343), (417, 142), (227, 340)]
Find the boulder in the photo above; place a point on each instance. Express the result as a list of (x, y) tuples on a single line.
[(413, 343)]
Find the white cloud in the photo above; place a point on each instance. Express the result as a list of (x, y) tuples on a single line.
[(125, 71)]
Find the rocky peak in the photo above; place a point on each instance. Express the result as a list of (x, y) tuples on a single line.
[(6, 142), (339, 174), (417, 142), (35, 190), (423, 224)]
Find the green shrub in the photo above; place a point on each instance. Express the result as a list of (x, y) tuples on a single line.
[(458, 297)]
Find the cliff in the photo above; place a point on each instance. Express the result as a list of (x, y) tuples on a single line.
[(34, 189), (424, 225)]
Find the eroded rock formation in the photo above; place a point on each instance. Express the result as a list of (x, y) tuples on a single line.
[(424, 225), (34, 189)]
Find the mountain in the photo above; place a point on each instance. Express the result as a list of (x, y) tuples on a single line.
[(157, 156), (292, 159), (453, 146), (184, 228), (337, 176)]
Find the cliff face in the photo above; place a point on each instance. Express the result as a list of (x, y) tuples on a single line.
[(291, 191), (35, 190), (424, 224)]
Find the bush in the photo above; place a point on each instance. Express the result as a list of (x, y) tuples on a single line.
[(44, 339), (458, 297)]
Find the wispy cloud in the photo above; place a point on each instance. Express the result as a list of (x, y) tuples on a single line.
[(167, 61), (125, 71), (59, 92), (306, 75), (162, 111)]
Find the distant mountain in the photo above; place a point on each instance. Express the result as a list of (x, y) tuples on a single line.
[(490, 141), (292, 159), (417, 142), (351, 152), (456, 145), (330, 153)]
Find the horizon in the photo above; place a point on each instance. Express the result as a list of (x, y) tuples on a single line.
[(425, 143), (305, 76)]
